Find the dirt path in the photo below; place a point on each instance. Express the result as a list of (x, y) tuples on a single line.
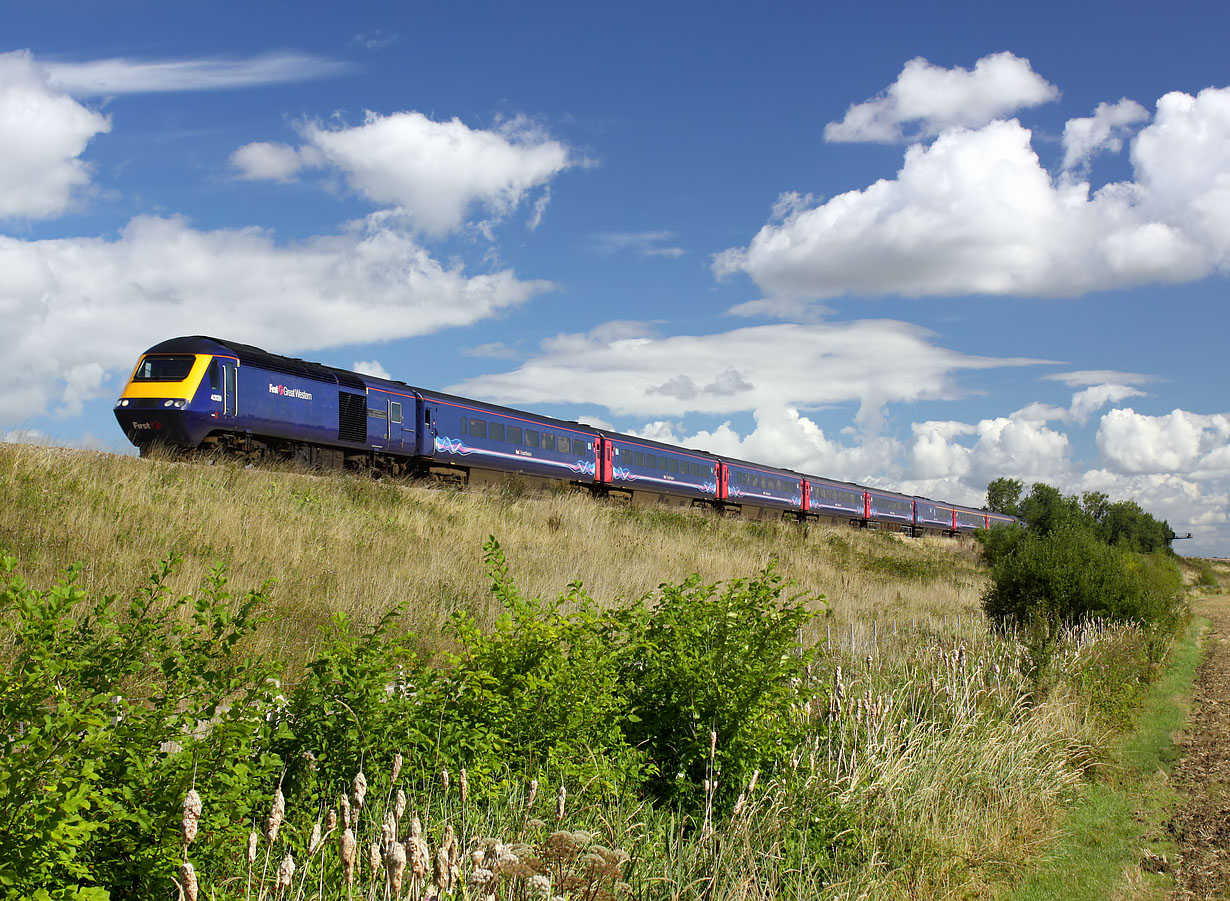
[(1202, 825)]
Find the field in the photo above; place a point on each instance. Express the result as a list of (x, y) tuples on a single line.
[(857, 732)]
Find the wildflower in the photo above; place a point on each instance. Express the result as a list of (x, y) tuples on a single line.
[(276, 815), (540, 887), (192, 815)]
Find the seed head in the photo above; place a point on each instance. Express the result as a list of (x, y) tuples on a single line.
[(276, 815), (444, 779), (373, 856), (192, 815), (463, 785), (439, 874), (419, 854), (395, 866), (314, 841), (253, 838), (396, 766), (331, 822), (187, 877), (529, 801), (399, 806), (346, 848), (286, 872), (360, 789), (345, 805), (712, 743), (559, 802)]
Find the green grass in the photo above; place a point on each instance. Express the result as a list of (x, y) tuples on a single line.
[(1114, 820)]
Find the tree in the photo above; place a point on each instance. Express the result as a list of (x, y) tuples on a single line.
[(1045, 509), (1004, 495)]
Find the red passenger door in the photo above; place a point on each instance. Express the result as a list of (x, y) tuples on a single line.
[(806, 495)]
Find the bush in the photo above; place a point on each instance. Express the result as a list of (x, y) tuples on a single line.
[(109, 713), (1069, 575)]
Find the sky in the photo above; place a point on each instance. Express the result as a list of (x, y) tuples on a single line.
[(913, 246)]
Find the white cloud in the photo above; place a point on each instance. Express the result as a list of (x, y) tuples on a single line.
[(128, 76), (646, 244), (623, 367), (938, 99), (1081, 378), (436, 171), (42, 135), (1178, 443), (975, 212), (79, 310), (263, 160), (1106, 129), (371, 367), (1087, 402)]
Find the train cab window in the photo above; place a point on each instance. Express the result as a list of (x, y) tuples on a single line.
[(579, 447), (640, 458), (394, 411), (215, 377), (531, 438), (478, 428), (164, 368), (514, 434), (497, 431)]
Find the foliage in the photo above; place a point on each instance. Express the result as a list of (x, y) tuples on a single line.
[(705, 661), (1067, 575), (109, 712), (1003, 495)]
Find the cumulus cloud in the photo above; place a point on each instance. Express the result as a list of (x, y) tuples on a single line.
[(935, 99), (79, 310), (1178, 443), (129, 76), (976, 212), (371, 367), (625, 368), (436, 171), (42, 136), (1106, 129)]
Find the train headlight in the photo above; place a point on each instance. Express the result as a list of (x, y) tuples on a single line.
[(168, 403), (180, 404), (121, 403)]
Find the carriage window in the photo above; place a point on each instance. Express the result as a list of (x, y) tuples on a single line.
[(394, 412), (478, 428), (662, 463), (651, 462), (696, 469), (674, 465), (514, 434), (548, 441), (579, 447), (640, 458), (531, 438), (497, 431)]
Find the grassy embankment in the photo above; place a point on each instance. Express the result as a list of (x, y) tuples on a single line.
[(928, 758)]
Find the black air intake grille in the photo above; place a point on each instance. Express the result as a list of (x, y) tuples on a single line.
[(352, 417)]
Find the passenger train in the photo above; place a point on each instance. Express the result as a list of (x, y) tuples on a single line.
[(209, 394)]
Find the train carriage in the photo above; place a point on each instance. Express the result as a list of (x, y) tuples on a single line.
[(840, 503), (934, 517), (759, 492), (484, 444), (889, 510), (650, 472)]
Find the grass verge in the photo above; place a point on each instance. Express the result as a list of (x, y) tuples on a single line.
[(1118, 820)]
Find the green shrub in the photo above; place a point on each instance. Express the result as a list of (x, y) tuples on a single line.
[(109, 712)]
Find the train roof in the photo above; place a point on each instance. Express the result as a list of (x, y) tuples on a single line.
[(246, 353)]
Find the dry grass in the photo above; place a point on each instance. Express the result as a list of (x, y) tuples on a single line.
[(350, 544)]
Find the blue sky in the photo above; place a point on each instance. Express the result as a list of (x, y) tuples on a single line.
[(917, 248)]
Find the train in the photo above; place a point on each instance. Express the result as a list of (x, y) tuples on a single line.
[(206, 394)]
